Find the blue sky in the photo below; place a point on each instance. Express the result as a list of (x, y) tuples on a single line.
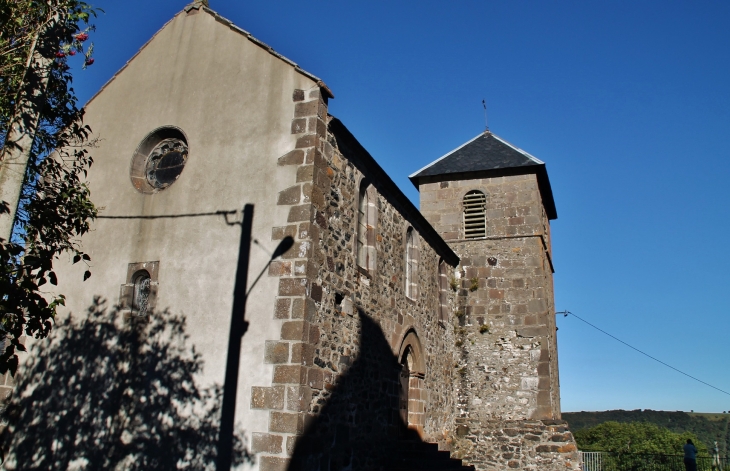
[(628, 103)]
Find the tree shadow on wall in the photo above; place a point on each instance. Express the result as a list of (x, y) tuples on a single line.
[(107, 394), (359, 426)]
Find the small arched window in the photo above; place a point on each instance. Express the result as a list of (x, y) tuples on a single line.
[(475, 215), (411, 264), (141, 296), (366, 226)]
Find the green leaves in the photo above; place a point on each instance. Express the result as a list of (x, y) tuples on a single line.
[(634, 437), (55, 208)]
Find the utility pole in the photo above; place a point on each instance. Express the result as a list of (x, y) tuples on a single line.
[(239, 326)]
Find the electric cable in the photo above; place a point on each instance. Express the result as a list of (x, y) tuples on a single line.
[(171, 216), (566, 313)]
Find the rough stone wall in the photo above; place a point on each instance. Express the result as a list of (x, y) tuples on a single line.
[(333, 402), (525, 444), (505, 330), (483, 362), (346, 293), (505, 296)]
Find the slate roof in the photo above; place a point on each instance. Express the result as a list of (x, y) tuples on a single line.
[(488, 155)]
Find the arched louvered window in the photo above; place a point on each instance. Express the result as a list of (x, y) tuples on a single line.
[(411, 264), (475, 215)]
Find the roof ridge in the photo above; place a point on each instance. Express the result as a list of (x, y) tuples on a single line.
[(521, 151), (196, 4)]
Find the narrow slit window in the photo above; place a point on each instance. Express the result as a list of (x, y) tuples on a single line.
[(362, 227), (443, 292), (138, 296), (475, 215), (411, 264), (367, 227)]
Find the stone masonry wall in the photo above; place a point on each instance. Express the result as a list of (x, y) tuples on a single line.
[(505, 330), (295, 376), (505, 295), (346, 297), (336, 382), (526, 445), (482, 361)]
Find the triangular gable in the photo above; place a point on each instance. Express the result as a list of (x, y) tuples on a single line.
[(198, 7)]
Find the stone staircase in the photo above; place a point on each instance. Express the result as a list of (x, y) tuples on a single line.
[(415, 455)]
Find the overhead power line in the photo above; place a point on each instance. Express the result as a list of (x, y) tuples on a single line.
[(566, 313), (171, 216)]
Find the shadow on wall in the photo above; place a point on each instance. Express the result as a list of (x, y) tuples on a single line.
[(105, 394), (359, 424)]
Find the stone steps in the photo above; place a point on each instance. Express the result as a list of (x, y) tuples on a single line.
[(420, 456)]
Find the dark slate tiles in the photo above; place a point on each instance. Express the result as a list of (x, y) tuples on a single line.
[(486, 152)]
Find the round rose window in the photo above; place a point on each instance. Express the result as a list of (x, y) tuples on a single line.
[(159, 160), (165, 163)]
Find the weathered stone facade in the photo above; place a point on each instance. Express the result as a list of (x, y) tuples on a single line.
[(506, 338), (337, 311), (482, 371), (524, 444), (358, 340), (505, 283)]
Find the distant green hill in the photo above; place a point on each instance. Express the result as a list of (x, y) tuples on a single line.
[(707, 427)]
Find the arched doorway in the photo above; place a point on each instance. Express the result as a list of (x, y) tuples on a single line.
[(405, 377), (411, 403)]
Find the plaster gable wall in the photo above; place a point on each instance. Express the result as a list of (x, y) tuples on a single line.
[(233, 100)]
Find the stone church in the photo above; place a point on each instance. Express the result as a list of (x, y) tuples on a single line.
[(385, 337)]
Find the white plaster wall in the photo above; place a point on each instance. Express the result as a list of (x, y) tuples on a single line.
[(233, 100)]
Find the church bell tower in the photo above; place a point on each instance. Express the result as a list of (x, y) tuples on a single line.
[(492, 203)]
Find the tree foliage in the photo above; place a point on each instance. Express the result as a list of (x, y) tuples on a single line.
[(37, 38), (706, 427), (635, 437), (104, 393)]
